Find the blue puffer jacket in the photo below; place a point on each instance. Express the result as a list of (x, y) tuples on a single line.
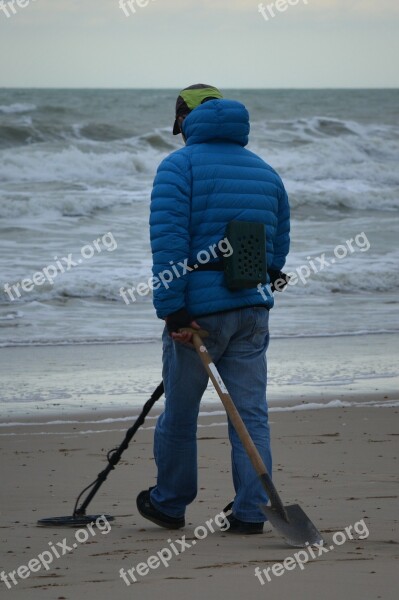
[(197, 191)]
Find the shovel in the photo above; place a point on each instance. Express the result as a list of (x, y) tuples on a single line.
[(290, 521)]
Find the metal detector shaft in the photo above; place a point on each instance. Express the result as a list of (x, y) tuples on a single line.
[(114, 456)]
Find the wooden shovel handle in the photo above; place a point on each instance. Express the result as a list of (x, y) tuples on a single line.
[(229, 405)]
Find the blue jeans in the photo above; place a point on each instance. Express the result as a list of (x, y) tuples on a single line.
[(237, 342)]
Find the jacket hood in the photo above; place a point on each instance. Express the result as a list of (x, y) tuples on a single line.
[(226, 120)]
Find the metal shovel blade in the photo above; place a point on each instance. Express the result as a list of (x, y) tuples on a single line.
[(298, 530)]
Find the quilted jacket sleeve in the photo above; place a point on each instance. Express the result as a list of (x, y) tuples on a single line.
[(281, 243), (169, 232)]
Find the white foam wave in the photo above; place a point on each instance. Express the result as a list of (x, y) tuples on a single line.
[(7, 342), (73, 163), (362, 271), (355, 170), (332, 163), (17, 108), (333, 404), (212, 413), (11, 315)]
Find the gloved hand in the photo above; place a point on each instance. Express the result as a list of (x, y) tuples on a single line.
[(278, 280), (178, 319)]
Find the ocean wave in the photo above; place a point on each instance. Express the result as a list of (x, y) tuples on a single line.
[(151, 339), (11, 315), (55, 122), (25, 133), (101, 132), (17, 108), (359, 272), (339, 196), (16, 136), (351, 171), (341, 165), (364, 276), (314, 128), (89, 341), (159, 140), (28, 132), (73, 201), (77, 164), (53, 109), (23, 129)]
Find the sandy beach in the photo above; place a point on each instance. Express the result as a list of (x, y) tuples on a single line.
[(339, 464)]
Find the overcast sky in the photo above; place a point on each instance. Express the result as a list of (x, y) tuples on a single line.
[(93, 43)]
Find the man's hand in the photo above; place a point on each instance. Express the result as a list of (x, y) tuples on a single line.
[(278, 280), (177, 320), (186, 336)]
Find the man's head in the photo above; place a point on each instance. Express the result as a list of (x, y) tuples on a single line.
[(190, 98)]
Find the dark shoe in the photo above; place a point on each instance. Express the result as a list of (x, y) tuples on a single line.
[(148, 511), (242, 527)]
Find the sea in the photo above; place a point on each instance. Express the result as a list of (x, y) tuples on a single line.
[(76, 172)]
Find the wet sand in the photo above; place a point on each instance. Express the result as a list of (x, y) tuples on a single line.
[(339, 464)]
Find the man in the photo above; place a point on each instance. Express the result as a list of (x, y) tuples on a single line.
[(198, 190)]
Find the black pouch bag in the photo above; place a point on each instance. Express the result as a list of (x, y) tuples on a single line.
[(246, 266)]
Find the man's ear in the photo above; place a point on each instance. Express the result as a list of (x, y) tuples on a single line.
[(180, 122)]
